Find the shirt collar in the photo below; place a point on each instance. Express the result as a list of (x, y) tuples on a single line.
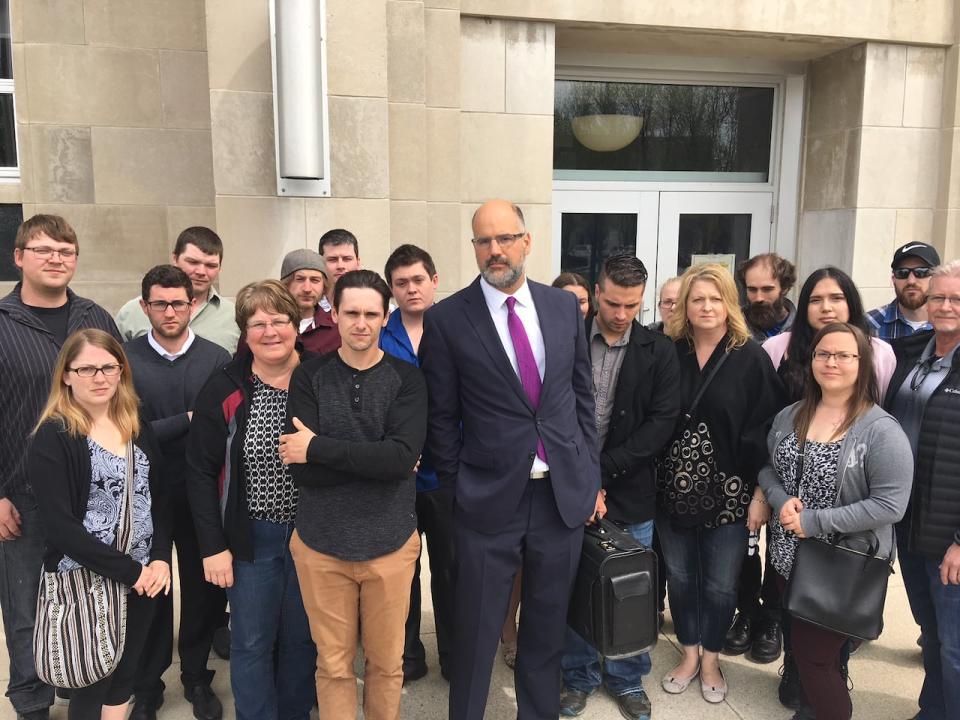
[(496, 298), (168, 355)]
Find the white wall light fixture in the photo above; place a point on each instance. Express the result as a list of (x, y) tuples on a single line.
[(301, 131)]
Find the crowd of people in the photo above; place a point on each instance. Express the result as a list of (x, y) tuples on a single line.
[(297, 444)]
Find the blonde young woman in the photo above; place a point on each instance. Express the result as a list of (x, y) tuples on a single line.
[(77, 466), (710, 499)]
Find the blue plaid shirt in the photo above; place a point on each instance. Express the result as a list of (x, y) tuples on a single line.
[(889, 324)]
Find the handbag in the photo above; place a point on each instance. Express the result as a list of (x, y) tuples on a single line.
[(81, 621), (837, 587), (691, 487)]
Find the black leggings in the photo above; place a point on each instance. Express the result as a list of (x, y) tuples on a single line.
[(116, 688)]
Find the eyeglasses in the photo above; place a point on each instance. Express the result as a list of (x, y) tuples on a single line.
[(667, 304), (943, 300), (842, 358), (924, 368), (504, 241), (261, 327), (919, 273), (161, 306), (44, 252), (89, 371)]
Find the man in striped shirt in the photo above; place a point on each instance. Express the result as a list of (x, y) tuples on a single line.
[(35, 319)]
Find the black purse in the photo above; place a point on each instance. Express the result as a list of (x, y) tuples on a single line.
[(691, 488), (837, 587)]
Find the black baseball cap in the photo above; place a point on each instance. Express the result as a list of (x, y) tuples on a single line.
[(927, 253)]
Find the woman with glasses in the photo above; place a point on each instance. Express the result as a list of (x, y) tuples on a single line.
[(827, 296), (924, 395), (707, 495), (838, 464), (244, 504), (77, 465)]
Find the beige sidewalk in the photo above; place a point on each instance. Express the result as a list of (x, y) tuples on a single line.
[(886, 675)]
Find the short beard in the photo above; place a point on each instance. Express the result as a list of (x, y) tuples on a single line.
[(765, 316), (167, 334), (503, 279), (908, 303)]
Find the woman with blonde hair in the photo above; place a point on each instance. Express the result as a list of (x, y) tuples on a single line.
[(708, 497), (77, 465)]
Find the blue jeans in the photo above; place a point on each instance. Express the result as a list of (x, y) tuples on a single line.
[(936, 608), (581, 662), (21, 561), (703, 568), (272, 656)]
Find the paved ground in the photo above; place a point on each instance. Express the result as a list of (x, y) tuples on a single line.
[(886, 674)]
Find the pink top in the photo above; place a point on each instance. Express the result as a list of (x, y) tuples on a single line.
[(884, 361)]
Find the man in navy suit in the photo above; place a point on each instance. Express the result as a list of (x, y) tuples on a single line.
[(512, 431)]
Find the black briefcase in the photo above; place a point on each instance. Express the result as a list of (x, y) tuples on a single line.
[(614, 602)]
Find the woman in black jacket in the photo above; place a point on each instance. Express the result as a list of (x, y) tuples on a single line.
[(708, 495), (77, 466), (244, 502)]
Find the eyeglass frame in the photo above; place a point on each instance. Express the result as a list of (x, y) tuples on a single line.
[(840, 358), (260, 327), (502, 240), (907, 271), (46, 252), (939, 299), (115, 370), (152, 304)]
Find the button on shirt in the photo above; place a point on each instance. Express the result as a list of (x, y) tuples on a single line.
[(606, 361), (527, 312)]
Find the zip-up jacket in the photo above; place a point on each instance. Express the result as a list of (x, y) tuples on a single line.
[(935, 506), (216, 486), (28, 353)]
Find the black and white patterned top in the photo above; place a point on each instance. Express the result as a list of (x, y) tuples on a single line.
[(107, 487), (818, 492), (271, 494)]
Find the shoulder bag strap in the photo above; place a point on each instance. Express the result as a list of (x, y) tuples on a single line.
[(126, 514), (706, 382)]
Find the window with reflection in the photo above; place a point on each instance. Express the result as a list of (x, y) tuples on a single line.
[(662, 132), (11, 216), (8, 134)]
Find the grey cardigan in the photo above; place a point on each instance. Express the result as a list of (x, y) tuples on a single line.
[(876, 477)]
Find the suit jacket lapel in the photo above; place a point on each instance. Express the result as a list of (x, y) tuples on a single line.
[(552, 338), (479, 316)]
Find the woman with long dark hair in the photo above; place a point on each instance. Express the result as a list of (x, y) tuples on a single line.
[(827, 296), (77, 465), (838, 464)]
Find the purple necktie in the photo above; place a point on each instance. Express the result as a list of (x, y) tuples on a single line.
[(529, 374)]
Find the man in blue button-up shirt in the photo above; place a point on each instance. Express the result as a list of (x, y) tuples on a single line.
[(412, 277)]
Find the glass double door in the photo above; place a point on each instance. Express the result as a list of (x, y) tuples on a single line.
[(668, 231)]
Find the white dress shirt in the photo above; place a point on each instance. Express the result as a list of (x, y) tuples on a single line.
[(168, 355), (527, 312)]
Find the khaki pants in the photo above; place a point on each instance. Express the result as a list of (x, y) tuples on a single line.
[(344, 599)]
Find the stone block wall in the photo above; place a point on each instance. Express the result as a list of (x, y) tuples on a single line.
[(113, 124)]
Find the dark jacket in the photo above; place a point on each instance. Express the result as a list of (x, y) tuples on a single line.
[(935, 505), (59, 470), (482, 430), (645, 410), (28, 352), (216, 486)]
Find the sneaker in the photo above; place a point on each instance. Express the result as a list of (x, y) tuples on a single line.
[(789, 690), (634, 705), (739, 637), (573, 702), (767, 642)]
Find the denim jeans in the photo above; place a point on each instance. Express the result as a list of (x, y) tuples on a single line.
[(703, 567), (581, 662), (936, 608), (272, 656), (21, 561)]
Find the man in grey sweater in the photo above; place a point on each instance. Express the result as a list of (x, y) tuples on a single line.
[(359, 418), (170, 364)]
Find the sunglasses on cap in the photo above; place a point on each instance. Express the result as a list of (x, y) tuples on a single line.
[(920, 273)]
